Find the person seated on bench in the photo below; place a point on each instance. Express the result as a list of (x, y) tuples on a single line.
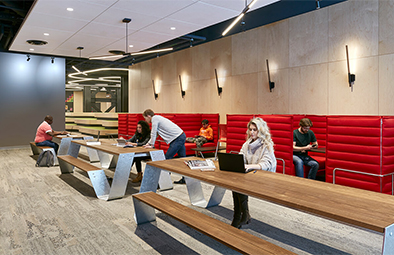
[(302, 139), (258, 151), (45, 134), (205, 135), (140, 138)]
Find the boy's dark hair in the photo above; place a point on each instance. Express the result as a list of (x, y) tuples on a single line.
[(305, 122), (205, 121)]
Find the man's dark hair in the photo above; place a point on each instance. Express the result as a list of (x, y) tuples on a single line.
[(148, 112), (205, 121), (305, 122)]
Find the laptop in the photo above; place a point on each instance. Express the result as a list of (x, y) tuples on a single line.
[(231, 162), (121, 142)]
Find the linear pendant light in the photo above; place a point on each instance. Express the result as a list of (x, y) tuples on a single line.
[(239, 17)]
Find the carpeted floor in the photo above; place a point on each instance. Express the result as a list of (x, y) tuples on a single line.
[(44, 212)]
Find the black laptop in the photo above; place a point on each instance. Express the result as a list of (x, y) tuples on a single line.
[(231, 162)]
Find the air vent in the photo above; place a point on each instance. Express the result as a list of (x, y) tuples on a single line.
[(36, 42)]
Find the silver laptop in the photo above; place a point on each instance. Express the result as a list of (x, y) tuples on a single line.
[(121, 141), (231, 162)]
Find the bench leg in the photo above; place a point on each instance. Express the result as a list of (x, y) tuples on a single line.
[(65, 167), (121, 176), (105, 159), (34, 149), (55, 161), (388, 241), (143, 213), (196, 194)]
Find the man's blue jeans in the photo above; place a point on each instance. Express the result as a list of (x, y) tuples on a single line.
[(49, 144), (177, 146), (301, 160)]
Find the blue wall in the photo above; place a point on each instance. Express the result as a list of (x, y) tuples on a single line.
[(29, 90)]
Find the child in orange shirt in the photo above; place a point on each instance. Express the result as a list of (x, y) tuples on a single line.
[(205, 135)]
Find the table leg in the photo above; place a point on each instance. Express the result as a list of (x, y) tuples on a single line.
[(121, 176), (197, 197), (93, 156)]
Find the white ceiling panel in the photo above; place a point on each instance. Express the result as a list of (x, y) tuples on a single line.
[(97, 25)]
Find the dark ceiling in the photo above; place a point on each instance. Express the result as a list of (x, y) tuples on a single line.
[(13, 12)]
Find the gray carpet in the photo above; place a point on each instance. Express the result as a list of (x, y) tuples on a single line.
[(43, 212)]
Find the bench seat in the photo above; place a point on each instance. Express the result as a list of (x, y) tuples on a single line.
[(36, 150), (234, 238), (83, 165)]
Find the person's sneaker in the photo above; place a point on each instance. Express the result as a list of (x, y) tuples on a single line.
[(181, 181)]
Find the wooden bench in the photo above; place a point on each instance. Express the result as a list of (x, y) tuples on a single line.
[(83, 165), (36, 150), (234, 238)]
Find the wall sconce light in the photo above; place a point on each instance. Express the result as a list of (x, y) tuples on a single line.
[(28, 57), (183, 93), (154, 90), (351, 77), (52, 60), (270, 83), (217, 83)]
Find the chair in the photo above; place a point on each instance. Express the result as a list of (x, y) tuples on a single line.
[(221, 138)]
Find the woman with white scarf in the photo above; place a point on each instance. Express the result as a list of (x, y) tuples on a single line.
[(258, 151)]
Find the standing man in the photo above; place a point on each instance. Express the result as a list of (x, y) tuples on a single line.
[(303, 140), (171, 133), (45, 134)]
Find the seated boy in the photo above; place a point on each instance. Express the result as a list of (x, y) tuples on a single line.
[(205, 135)]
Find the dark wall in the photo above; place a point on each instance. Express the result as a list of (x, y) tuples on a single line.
[(29, 90)]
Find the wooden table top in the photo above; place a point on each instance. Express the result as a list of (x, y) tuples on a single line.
[(78, 136), (357, 207), (108, 147)]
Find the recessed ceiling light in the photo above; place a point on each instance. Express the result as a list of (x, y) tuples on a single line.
[(173, 28), (131, 46), (46, 34), (31, 49), (70, 9)]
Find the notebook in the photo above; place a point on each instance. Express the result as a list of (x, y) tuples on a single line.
[(231, 162)]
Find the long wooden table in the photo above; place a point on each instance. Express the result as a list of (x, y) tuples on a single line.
[(361, 208), (122, 161)]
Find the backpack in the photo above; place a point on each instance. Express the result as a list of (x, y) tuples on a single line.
[(45, 159)]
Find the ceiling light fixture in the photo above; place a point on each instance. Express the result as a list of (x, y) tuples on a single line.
[(116, 53), (36, 42), (239, 17), (46, 34), (150, 51), (28, 57), (52, 60), (70, 9), (173, 28), (31, 49)]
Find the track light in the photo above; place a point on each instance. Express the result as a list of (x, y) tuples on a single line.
[(28, 57), (52, 60), (239, 17)]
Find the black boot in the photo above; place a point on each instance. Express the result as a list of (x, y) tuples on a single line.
[(237, 211), (245, 219)]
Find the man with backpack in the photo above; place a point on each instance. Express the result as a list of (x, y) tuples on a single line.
[(45, 133)]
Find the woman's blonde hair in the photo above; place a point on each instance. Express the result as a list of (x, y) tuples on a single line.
[(264, 132)]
